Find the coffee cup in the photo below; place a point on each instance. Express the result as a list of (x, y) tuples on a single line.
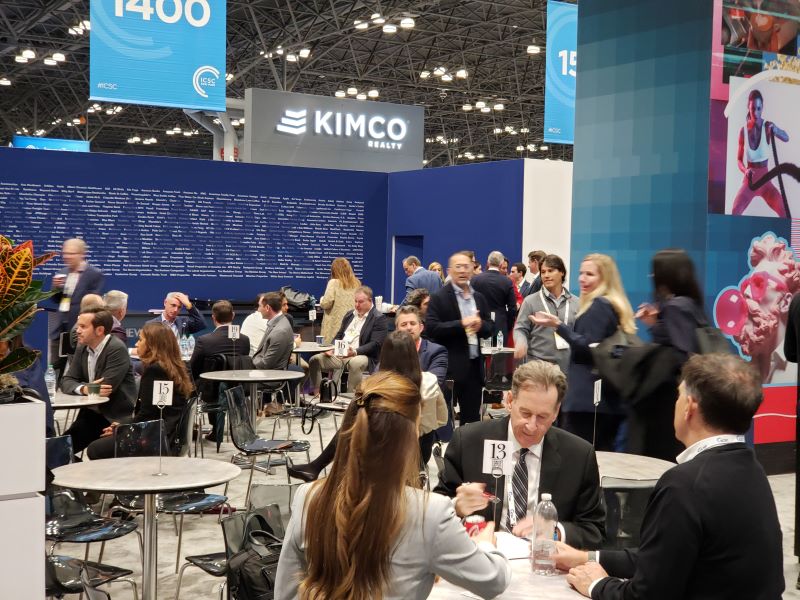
[(93, 390), (320, 340)]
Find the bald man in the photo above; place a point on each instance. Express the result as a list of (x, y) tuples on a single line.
[(71, 283)]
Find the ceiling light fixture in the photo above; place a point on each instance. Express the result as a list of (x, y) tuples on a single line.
[(439, 71), (390, 28), (361, 96), (424, 74), (486, 109), (50, 62), (304, 52), (291, 57), (20, 59), (407, 23), (5, 81), (447, 77), (59, 56), (544, 148), (480, 104), (461, 73), (534, 49), (520, 148), (279, 51), (352, 91), (499, 106), (497, 130), (360, 24), (340, 93), (228, 76), (524, 130), (373, 93), (377, 19), (467, 107), (28, 53)]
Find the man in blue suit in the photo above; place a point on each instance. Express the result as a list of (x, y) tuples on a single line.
[(418, 277), (192, 322), (72, 283), (432, 357)]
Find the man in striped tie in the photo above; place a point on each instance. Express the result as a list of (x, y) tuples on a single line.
[(538, 458)]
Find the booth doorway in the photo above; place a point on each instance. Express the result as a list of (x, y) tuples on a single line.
[(403, 246)]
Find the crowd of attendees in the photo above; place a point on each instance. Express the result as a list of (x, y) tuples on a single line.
[(414, 378)]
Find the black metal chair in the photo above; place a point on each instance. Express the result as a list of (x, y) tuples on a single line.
[(63, 575), (141, 439), (500, 368), (250, 445), (92, 593), (69, 518)]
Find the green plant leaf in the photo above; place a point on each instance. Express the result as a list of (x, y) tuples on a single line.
[(19, 271), (34, 293), (17, 360), (16, 318), (39, 260)]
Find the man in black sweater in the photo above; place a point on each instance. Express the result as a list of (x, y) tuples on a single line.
[(711, 528)]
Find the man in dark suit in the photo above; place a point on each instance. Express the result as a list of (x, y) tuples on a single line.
[(208, 345), (100, 358), (517, 276), (499, 293), (192, 322), (457, 317), (364, 330), (432, 357), (544, 459), (419, 278), (73, 282), (711, 528)]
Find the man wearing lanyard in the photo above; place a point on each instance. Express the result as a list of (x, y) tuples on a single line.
[(542, 343), (457, 316), (72, 283), (545, 459), (711, 528)]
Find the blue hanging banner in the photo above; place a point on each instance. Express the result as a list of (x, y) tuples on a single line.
[(43, 143), (158, 52), (561, 66)]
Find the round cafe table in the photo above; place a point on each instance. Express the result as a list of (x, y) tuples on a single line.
[(146, 475), (524, 586), (253, 377), (62, 401)]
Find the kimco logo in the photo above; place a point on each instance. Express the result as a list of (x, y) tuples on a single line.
[(379, 132)]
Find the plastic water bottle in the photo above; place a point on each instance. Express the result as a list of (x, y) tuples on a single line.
[(543, 546), (500, 339), (184, 344), (50, 381), (190, 346)]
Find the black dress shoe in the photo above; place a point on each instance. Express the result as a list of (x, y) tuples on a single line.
[(303, 472)]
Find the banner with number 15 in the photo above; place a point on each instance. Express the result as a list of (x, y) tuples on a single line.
[(158, 52)]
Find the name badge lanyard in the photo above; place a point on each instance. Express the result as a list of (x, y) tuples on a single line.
[(561, 343)]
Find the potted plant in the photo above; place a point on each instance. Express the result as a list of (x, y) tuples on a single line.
[(19, 295)]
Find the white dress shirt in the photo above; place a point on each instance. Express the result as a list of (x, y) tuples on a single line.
[(254, 326), (352, 335)]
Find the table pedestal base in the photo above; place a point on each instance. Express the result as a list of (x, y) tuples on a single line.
[(150, 541)]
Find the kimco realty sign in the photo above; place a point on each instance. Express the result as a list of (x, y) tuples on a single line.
[(318, 131)]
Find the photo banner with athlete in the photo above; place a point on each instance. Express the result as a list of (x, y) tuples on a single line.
[(754, 149), (158, 52)]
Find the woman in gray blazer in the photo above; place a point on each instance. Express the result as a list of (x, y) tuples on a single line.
[(366, 532)]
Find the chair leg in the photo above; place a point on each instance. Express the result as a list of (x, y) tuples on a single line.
[(180, 539), (180, 578), (223, 588), (250, 481), (175, 523), (102, 548), (86, 554)]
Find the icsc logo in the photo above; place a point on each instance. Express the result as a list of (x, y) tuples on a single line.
[(205, 77)]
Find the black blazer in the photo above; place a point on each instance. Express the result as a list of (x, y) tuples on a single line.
[(710, 532), (499, 293), (147, 411), (443, 324), (89, 282), (373, 333), (568, 472), (433, 358), (216, 342), (534, 286), (114, 366), (192, 322)]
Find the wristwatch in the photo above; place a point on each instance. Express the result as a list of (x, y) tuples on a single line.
[(593, 556)]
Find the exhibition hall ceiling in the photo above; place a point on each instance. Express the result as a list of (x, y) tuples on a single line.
[(446, 55)]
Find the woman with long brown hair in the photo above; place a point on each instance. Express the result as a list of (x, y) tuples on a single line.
[(158, 350), (339, 297), (366, 532)]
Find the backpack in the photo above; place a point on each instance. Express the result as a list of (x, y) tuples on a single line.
[(297, 299), (252, 570)]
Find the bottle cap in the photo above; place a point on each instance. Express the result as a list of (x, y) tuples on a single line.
[(547, 498)]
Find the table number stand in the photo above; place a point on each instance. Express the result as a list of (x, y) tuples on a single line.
[(162, 390)]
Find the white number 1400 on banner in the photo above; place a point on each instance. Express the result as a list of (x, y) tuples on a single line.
[(172, 14)]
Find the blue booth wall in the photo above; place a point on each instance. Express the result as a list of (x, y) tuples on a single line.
[(472, 207), (641, 134)]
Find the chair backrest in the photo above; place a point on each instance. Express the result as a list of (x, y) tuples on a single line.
[(183, 432), (239, 361), (140, 439), (499, 371), (233, 532), (259, 502), (241, 428), (58, 451), (92, 593)]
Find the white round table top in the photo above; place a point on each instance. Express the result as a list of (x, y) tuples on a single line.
[(618, 468), (65, 401), (137, 474), (252, 375), (524, 586), (311, 348)]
